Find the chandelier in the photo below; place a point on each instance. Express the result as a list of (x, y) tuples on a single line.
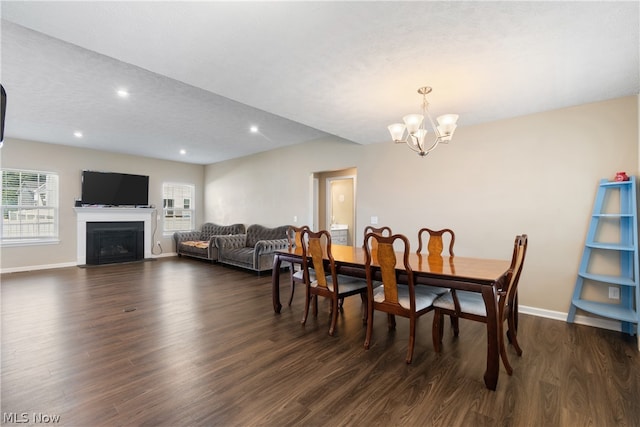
[(416, 131)]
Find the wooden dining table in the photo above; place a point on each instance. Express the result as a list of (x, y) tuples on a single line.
[(480, 275)]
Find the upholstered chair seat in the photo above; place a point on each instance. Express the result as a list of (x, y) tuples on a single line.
[(424, 295), (299, 275), (346, 283), (470, 302)]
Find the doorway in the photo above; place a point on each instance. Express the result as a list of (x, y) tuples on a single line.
[(335, 203)]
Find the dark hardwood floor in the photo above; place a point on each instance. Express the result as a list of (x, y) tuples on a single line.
[(180, 342)]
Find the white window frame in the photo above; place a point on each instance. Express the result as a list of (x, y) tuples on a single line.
[(175, 216), (34, 217)]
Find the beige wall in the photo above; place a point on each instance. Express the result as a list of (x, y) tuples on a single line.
[(536, 174), (68, 163)]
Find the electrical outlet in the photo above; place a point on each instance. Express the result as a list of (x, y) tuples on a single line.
[(614, 292), (374, 220), (158, 242), (295, 218)]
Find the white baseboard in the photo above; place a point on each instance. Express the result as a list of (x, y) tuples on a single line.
[(168, 254), (596, 322), (37, 267), (61, 265)]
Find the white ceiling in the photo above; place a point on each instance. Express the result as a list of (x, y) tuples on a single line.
[(201, 73)]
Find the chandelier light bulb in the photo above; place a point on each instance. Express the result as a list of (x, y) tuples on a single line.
[(413, 122), (397, 131)]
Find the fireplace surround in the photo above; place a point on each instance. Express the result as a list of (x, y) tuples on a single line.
[(112, 215)]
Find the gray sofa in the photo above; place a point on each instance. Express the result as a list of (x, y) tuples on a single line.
[(202, 244), (253, 250)]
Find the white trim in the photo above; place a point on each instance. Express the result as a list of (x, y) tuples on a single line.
[(33, 242), (596, 322), (168, 254), (65, 264), (37, 267)]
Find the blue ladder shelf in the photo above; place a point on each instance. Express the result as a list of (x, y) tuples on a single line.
[(626, 248)]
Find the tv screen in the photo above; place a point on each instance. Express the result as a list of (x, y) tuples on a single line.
[(3, 111), (114, 189)]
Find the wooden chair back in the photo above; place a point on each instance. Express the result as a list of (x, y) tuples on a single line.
[(435, 244), (508, 294), (314, 246), (382, 255), (294, 236), (381, 231)]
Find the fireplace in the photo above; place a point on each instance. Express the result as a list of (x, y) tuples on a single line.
[(113, 242), (88, 215)]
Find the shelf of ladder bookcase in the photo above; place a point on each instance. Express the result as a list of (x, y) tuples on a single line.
[(615, 280), (611, 311), (613, 246)]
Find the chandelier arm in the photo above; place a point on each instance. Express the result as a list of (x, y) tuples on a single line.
[(417, 148), (433, 124), (433, 146)]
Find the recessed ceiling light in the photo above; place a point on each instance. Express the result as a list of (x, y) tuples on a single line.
[(122, 93), (183, 152), (254, 129), (77, 134)]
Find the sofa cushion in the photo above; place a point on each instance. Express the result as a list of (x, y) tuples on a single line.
[(240, 256), (196, 243)]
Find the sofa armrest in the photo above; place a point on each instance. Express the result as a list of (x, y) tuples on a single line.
[(264, 249), (213, 240), (233, 241), (267, 246)]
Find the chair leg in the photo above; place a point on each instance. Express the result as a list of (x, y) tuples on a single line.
[(315, 305), (391, 322), (437, 331), (367, 340), (365, 311), (455, 325), (334, 316), (503, 350), (307, 300), (512, 334), (293, 287), (412, 339)]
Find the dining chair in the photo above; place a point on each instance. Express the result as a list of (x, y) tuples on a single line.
[(470, 305), (394, 297), (322, 279), (294, 236)]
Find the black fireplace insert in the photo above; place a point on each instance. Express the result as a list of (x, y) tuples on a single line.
[(113, 242)]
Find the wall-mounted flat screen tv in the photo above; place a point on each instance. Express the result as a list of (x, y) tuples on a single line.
[(114, 189)]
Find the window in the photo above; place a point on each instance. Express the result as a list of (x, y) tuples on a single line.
[(177, 207), (29, 206)]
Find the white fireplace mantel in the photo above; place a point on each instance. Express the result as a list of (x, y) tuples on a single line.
[(95, 214)]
